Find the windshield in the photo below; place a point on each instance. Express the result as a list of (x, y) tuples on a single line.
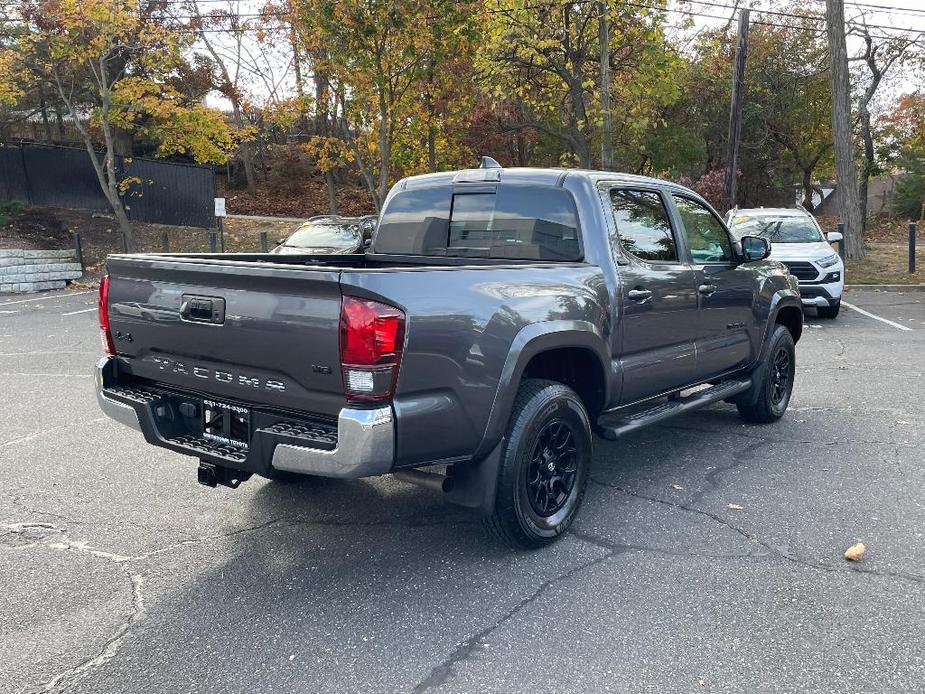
[(325, 236), (779, 230)]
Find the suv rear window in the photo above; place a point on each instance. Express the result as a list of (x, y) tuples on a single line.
[(509, 221)]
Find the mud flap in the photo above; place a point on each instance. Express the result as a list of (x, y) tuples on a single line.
[(475, 485)]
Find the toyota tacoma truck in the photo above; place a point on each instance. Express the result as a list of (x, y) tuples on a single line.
[(499, 319)]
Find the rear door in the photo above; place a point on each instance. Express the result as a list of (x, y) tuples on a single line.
[(658, 299), (724, 290)]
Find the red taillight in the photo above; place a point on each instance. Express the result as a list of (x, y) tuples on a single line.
[(371, 336), (103, 308)]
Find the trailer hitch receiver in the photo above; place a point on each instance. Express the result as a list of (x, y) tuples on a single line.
[(212, 475)]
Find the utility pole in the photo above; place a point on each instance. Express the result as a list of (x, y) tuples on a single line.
[(735, 111), (607, 134), (846, 175)]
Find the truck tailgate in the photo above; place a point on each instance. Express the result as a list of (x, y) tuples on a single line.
[(252, 333)]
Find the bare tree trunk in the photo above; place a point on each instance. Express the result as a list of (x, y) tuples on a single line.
[(870, 162), (323, 127), (385, 152), (845, 171), (45, 123), (247, 156), (105, 171), (808, 190), (331, 188), (432, 148), (112, 189), (59, 121)]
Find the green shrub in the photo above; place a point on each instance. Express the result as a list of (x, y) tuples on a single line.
[(910, 191), (10, 209)]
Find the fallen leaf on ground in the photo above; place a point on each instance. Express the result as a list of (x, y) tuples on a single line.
[(677, 487), (855, 552), (736, 507)]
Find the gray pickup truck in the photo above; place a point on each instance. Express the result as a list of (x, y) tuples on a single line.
[(499, 318)]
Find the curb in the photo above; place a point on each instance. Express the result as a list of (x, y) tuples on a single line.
[(913, 287)]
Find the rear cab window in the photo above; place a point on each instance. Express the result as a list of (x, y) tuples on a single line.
[(504, 221)]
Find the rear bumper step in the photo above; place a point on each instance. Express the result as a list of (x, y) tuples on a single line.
[(612, 429), (361, 443)]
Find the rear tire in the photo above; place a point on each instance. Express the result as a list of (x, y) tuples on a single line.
[(544, 465), (772, 381), (829, 311)]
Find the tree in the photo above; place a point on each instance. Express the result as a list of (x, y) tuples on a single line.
[(381, 60), (229, 65), (111, 66), (547, 55), (904, 143), (880, 54), (789, 88), (845, 171)]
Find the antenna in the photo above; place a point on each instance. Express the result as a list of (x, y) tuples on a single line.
[(489, 163)]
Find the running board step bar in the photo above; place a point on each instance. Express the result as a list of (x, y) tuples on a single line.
[(615, 428)]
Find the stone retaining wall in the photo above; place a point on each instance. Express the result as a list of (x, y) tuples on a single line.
[(33, 271)]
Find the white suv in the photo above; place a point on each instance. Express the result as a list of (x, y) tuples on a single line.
[(798, 242)]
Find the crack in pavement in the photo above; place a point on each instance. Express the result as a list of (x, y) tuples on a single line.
[(739, 457), (621, 547), (751, 537), (56, 538), (63, 680), (467, 649)]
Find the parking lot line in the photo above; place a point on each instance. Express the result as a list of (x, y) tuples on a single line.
[(74, 313), (44, 298), (871, 315)]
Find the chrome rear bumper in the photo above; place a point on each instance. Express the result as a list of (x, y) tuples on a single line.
[(365, 438), (365, 447)]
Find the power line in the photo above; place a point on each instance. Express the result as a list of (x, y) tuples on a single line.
[(208, 18)]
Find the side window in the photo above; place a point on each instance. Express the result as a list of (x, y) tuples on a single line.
[(642, 225), (706, 236)]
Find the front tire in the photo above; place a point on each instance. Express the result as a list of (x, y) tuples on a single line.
[(829, 311), (772, 381), (544, 465)]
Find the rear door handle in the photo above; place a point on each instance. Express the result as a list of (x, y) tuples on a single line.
[(639, 294), (706, 289)]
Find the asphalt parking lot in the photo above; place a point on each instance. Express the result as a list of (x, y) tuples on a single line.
[(121, 574)]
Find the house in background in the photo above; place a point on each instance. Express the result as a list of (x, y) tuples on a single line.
[(880, 190)]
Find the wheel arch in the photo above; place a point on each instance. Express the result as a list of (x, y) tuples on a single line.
[(569, 352), (791, 317)]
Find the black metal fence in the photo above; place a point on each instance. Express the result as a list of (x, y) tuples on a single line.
[(167, 192)]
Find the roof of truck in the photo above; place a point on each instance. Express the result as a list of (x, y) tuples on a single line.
[(549, 176)]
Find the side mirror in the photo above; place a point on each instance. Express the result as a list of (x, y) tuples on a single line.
[(755, 248), (280, 242), (834, 236)]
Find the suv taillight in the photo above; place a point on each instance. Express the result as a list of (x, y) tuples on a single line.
[(103, 308), (371, 336)]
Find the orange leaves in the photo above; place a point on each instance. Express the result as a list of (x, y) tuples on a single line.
[(329, 152)]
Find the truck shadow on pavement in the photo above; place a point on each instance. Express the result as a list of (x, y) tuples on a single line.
[(367, 571)]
